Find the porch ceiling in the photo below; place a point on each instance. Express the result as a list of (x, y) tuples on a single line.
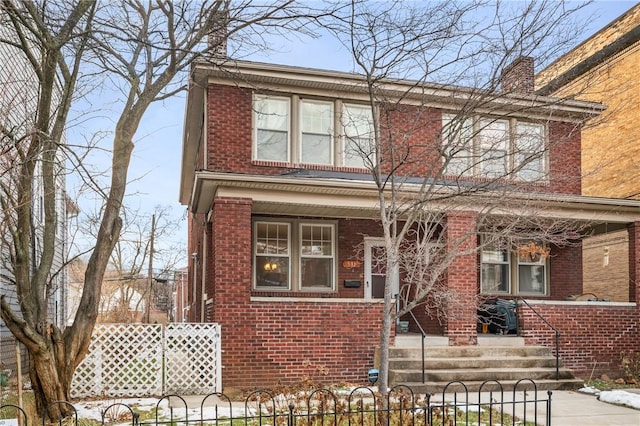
[(287, 195)]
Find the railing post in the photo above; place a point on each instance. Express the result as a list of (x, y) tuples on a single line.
[(557, 355), (549, 407), (423, 374)]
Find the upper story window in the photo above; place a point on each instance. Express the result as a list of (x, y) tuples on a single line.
[(272, 128), (316, 132), (291, 129), (494, 148), (359, 147)]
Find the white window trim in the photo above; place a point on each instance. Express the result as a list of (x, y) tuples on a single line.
[(513, 263), (254, 113), (512, 123), (256, 255), (332, 226), (295, 256), (331, 134), (294, 129), (508, 262)]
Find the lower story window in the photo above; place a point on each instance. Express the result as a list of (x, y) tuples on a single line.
[(293, 255), (525, 267)]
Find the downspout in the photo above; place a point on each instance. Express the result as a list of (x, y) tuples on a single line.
[(194, 257), (203, 301)]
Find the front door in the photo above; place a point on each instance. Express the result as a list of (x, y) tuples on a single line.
[(375, 269)]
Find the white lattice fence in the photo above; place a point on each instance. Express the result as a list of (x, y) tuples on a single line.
[(128, 360), (192, 358)]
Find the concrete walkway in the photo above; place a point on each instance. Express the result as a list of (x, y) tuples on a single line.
[(569, 408)]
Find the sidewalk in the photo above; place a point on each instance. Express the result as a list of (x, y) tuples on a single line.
[(570, 408)]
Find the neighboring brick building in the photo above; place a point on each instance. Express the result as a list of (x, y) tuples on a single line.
[(605, 69), (279, 203)]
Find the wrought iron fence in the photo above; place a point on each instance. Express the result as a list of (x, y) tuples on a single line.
[(491, 405)]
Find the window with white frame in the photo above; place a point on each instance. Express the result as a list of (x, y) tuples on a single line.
[(529, 152), (493, 144), (494, 269), (316, 256), (272, 121), (316, 126), (494, 148), (359, 147), (292, 129), (525, 266), (458, 140), (293, 255), (272, 255)]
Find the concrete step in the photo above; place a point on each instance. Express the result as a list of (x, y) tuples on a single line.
[(474, 365), (471, 362), (469, 351), (478, 374), (488, 385)]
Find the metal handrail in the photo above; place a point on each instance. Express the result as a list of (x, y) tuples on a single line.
[(553, 328), (422, 332), (424, 335)]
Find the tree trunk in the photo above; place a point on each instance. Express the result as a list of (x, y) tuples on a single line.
[(50, 384)]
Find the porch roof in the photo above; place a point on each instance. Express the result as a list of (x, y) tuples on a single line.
[(355, 195)]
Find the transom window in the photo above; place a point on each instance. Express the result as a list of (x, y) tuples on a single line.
[(525, 267), (294, 255), (291, 129), (494, 148)]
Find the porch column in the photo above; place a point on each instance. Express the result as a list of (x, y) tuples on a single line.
[(634, 263), (230, 260), (462, 278)]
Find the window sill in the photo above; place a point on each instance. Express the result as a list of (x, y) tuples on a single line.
[(328, 298)]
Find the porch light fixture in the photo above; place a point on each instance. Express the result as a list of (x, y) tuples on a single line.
[(270, 266), (350, 264)]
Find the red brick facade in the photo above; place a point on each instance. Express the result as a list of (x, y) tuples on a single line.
[(593, 335), (287, 334)]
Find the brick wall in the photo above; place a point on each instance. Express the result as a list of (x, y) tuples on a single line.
[(634, 263), (606, 266), (609, 142), (277, 340), (592, 334), (462, 279), (565, 158), (414, 130), (565, 272)]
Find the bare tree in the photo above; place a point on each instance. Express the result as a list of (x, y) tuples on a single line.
[(126, 291), (141, 50), (423, 175)]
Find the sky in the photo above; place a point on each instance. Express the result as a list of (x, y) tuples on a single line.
[(155, 167)]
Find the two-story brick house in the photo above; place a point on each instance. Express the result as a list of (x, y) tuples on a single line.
[(278, 204), (604, 68)]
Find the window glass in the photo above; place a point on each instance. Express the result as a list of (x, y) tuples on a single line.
[(495, 269), (272, 255), (532, 275), (529, 151), (316, 126), (272, 128), (359, 147), (493, 144), (316, 256), (458, 144)]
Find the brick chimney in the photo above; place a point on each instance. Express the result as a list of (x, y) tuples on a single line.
[(217, 38), (518, 77)]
